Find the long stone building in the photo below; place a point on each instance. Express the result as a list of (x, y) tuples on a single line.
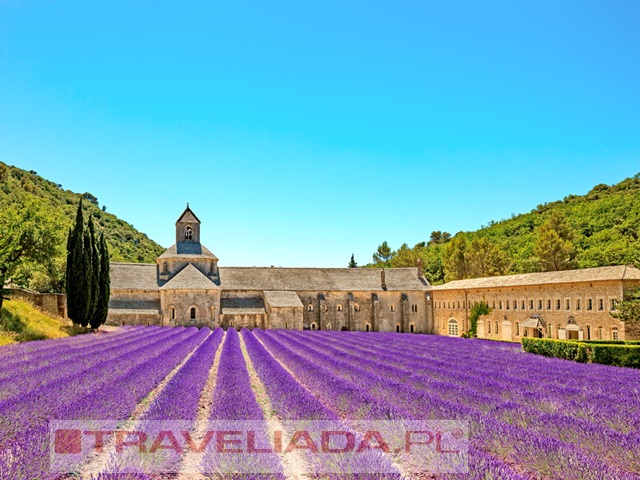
[(187, 287)]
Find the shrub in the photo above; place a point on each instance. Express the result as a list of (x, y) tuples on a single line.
[(618, 353)]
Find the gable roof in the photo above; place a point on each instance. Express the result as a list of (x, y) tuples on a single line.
[(319, 279), (188, 216), (189, 278), (599, 274), (188, 249), (279, 299)]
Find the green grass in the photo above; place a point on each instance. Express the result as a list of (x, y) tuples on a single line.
[(20, 321)]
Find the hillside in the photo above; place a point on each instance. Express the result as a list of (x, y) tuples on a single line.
[(20, 321), (126, 244), (605, 224)]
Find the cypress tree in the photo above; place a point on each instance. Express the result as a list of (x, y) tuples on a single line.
[(94, 262), (104, 285), (87, 291), (74, 275)]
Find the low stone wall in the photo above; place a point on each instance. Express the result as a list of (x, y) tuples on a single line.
[(52, 303)]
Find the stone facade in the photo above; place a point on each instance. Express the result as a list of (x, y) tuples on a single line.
[(186, 287), (573, 304)]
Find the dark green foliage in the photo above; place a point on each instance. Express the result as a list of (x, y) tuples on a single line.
[(620, 354), (383, 255), (60, 206), (603, 227), (94, 256), (352, 262), (478, 310), (629, 308), (104, 290)]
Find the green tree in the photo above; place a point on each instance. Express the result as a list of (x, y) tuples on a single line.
[(554, 247), (454, 261), (628, 309), (352, 262), (383, 255), (478, 310), (26, 234), (485, 259), (94, 255), (437, 237), (78, 273), (104, 286)]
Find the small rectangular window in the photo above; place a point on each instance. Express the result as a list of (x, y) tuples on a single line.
[(530, 304), (539, 304), (500, 304), (601, 304), (522, 305), (589, 304), (549, 304), (515, 304), (613, 304), (558, 304), (568, 304), (578, 304), (508, 305)]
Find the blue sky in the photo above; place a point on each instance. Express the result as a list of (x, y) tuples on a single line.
[(302, 132)]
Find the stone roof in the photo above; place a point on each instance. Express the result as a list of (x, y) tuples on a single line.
[(242, 306), (599, 274), (130, 304), (189, 278), (187, 250), (134, 276), (188, 216), (279, 299), (319, 279), (132, 311)]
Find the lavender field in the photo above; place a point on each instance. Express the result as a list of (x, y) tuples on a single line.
[(530, 417)]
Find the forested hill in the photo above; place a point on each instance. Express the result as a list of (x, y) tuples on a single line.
[(597, 229), (126, 244)]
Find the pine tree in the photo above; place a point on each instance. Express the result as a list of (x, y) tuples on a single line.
[(352, 262), (104, 286), (383, 255), (456, 266), (554, 247), (75, 279)]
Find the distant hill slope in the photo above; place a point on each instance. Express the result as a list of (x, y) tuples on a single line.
[(605, 221), (126, 244)]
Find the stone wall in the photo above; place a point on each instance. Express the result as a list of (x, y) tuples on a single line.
[(583, 304), (52, 303)]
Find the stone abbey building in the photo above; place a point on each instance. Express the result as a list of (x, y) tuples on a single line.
[(187, 287)]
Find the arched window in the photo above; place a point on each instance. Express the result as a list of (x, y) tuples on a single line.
[(314, 326), (517, 329), (213, 311), (488, 327), (310, 307), (393, 308), (328, 326), (496, 324), (588, 332), (412, 328), (367, 328), (339, 307), (600, 333), (164, 267), (188, 233), (614, 333), (193, 313), (397, 328), (356, 307), (286, 326), (173, 313), (453, 328)]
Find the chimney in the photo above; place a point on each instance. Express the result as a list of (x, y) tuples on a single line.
[(419, 268), (383, 283)]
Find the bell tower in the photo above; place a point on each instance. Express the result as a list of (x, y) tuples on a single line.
[(187, 229)]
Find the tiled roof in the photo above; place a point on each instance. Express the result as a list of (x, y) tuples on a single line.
[(599, 274), (132, 311), (189, 278), (319, 279), (188, 249), (279, 299), (128, 304), (134, 276)]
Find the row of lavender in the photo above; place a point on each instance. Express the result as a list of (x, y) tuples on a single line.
[(106, 384), (517, 429)]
